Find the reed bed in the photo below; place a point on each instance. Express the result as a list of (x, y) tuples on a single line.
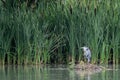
[(53, 31)]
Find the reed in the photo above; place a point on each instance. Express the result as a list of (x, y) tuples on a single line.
[(53, 31)]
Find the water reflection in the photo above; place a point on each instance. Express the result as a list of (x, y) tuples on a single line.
[(36, 73), (52, 73)]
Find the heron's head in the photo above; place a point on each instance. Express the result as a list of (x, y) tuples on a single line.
[(85, 48)]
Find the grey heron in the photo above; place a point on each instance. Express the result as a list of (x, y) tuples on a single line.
[(87, 53)]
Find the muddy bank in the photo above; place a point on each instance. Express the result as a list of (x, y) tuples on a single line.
[(88, 69)]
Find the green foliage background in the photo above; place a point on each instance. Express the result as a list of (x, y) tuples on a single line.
[(52, 31)]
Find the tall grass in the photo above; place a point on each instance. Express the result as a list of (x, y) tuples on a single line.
[(54, 31)]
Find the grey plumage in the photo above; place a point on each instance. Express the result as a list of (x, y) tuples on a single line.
[(87, 53)]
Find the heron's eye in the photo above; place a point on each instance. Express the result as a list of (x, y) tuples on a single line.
[(87, 49)]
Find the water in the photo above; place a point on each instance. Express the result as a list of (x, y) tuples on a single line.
[(53, 73)]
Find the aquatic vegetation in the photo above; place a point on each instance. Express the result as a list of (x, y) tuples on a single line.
[(53, 31)]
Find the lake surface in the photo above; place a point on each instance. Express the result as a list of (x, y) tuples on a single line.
[(53, 73)]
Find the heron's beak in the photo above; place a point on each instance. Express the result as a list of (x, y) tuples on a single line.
[(81, 47)]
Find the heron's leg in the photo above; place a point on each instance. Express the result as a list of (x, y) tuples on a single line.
[(88, 61)]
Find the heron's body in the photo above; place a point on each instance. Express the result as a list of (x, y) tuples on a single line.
[(87, 53)]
